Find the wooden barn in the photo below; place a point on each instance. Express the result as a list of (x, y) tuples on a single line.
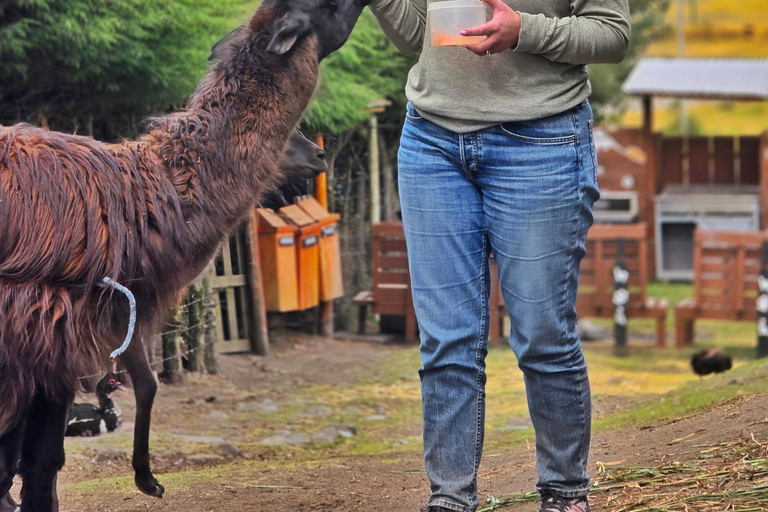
[(678, 184)]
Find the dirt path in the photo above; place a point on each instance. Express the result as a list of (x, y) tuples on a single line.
[(327, 479)]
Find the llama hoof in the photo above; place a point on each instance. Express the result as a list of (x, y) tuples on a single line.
[(8, 505), (150, 486)]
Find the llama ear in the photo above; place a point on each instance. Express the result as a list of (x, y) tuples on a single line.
[(230, 40), (287, 31)]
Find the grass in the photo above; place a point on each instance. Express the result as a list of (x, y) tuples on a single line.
[(712, 118), (650, 384)]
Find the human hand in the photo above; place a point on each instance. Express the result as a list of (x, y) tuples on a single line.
[(502, 32)]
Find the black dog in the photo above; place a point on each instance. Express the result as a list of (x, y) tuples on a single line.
[(710, 361)]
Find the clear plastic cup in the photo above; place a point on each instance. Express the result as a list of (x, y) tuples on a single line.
[(448, 17)]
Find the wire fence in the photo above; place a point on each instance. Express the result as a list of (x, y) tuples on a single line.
[(175, 356)]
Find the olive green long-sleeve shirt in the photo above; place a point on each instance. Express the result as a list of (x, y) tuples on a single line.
[(545, 74)]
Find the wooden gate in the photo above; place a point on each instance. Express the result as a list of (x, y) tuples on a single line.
[(227, 276)]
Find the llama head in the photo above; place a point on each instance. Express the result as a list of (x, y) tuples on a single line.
[(302, 159), (330, 21)]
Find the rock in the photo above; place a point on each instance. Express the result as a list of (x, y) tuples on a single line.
[(591, 332), (204, 459), (230, 451), (215, 415), (173, 456), (316, 411), (266, 405), (210, 399), (350, 410), (286, 438), (110, 455), (331, 433), (200, 439), (380, 413), (738, 381)]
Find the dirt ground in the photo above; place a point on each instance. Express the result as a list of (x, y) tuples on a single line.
[(267, 478)]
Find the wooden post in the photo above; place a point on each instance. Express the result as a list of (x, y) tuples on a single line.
[(209, 332), (194, 320), (762, 305), (172, 349), (258, 316), (648, 116), (321, 181), (374, 166), (325, 309), (620, 300), (763, 180)]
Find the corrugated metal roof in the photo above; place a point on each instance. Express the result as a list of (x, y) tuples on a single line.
[(708, 78)]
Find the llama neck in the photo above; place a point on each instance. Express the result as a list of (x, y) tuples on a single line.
[(221, 153)]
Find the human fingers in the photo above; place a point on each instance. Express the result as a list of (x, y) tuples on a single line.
[(480, 30), (484, 46)]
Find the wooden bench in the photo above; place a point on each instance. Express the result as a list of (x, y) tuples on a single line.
[(391, 293), (726, 265), (596, 282)]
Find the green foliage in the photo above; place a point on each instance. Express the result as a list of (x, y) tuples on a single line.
[(647, 25), (73, 61), (367, 68)]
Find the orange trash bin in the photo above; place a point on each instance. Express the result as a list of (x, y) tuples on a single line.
[(307, 254), (331, 281), (277, 248)]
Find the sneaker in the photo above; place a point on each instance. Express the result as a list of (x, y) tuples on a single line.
[(435, 509), (554, 503)]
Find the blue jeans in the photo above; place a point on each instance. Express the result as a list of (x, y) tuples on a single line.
[(525, 191)]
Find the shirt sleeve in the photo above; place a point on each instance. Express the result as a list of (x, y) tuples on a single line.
[(403, 21), (596, 32)]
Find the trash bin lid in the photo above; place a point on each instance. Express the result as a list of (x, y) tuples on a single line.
[(296, 216), (314, 209), (271, 222)]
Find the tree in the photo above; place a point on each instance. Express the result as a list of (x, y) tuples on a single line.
[(100, 66), (647, 25), (365, 69)]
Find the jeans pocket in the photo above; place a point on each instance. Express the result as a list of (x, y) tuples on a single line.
[(411, 113), (552, 130)]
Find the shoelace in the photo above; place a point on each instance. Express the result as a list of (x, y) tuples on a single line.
[(552, 503)]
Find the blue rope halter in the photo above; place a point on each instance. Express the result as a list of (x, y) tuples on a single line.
[(131, 321)]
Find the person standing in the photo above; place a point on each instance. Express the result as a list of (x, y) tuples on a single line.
[(497, 156)]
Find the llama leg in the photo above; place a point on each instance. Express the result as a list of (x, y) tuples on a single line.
[(42, 452), (10, 449), (144, 388)]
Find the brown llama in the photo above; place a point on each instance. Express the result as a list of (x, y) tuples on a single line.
[(301, 161), (148, 214)]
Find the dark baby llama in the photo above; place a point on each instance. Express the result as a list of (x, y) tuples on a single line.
[(147, 213)]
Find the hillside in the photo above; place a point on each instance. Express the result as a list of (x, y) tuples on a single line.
[(715, 28)]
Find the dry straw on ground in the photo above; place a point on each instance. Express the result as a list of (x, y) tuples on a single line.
[(725, 477)]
